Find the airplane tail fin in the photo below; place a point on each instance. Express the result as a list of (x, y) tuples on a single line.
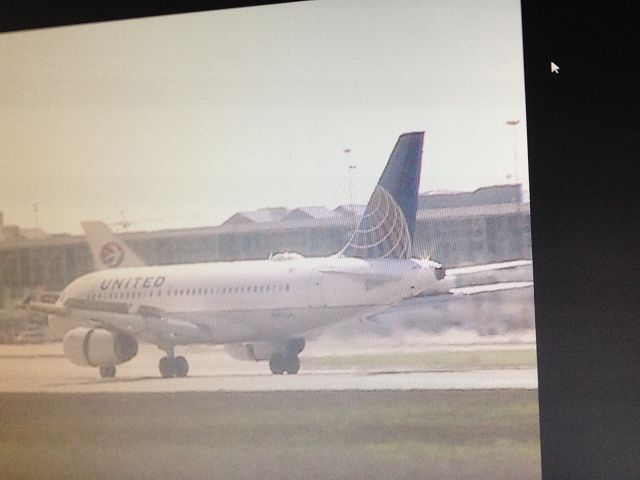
[(386, 228), (109, 251)]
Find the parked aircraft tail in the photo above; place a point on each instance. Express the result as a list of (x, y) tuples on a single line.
[(387, 226), (109, 251)]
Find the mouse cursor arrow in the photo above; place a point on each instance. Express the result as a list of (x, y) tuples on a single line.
[(555, 68)]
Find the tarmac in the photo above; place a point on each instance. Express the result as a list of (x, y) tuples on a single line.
[(43, 368)]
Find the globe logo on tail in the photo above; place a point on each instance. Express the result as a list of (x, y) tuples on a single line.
[(382, 231), (111, 254)]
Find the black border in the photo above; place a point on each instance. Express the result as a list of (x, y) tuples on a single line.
[(584, 150), (31, 14)]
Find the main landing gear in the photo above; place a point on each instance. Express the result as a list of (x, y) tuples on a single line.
[(280, 363), (286, 358), (172, 366)]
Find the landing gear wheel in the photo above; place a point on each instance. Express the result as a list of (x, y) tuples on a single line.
[(277, 364), (166, 367), (280, 363), (180, 367), (293, 365), (108, 372)]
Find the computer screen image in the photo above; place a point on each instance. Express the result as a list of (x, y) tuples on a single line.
[(293, 239)]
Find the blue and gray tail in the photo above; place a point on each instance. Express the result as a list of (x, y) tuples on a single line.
[(386, 228)]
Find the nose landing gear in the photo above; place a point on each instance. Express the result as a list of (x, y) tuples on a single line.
[(108, 372)]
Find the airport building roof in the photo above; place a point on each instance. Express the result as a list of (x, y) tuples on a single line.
[(262, 215), (491, 195), (350, 210), (304, 213), (487, 201)]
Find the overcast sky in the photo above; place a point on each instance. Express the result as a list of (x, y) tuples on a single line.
[(184, 120)]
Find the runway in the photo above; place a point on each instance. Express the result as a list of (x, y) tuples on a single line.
[(42, 368)]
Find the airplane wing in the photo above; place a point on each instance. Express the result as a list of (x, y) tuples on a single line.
[(149, 322), (473, 289), (507, 273), (453, 295)]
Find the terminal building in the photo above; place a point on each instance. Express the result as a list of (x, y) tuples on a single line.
[(490, 224)]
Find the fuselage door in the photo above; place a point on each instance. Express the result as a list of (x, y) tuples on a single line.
[(314, 289)]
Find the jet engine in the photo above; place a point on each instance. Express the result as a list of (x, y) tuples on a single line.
[(98, 347)]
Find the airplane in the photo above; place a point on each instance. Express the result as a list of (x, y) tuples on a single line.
[(459, 281), (107, 250), (258, 309)]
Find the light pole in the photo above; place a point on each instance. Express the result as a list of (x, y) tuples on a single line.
[(519, 240), (514, 123), (35, 214), (351, 168), (347, 151)]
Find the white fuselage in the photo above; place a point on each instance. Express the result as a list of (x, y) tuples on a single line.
[(252, 300)]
